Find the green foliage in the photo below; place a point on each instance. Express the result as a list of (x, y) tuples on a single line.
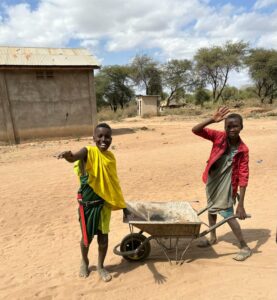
[(213, 65), (155, 83), (247, 93), (201, 96), (177, 77), (146, 74), (230, 93), (113, 87), (262, 65)]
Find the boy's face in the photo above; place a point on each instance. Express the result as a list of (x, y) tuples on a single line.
[(233, 128), (102, 138)]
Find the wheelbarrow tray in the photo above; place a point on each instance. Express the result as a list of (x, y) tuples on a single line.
[(176, 219), (164, 219)]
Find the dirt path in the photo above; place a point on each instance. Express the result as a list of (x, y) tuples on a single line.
[(39, 254)]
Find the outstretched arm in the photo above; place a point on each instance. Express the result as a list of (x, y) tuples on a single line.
[(218, 116), (72, 157)]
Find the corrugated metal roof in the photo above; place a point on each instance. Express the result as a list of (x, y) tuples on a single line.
[(19, 56)]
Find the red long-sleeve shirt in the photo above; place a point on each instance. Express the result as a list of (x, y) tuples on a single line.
[(240, 168)]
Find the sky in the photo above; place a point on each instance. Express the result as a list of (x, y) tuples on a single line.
[(116, 30)]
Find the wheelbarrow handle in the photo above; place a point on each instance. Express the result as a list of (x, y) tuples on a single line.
[(204, 209), (220, 223)]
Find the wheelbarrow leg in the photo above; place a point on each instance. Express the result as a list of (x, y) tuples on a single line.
[(163, 249), (181, 261), (176, 250)]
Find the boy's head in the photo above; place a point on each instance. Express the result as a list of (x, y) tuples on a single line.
[(102, 136), (233, 125)]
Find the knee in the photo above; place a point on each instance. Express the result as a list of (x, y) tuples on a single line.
[(103, 240), (82, 244)]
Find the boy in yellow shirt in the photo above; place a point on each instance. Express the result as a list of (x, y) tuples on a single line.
[(100, 194)]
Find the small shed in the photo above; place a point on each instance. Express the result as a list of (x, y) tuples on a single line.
[(46, 92), (147, 105)]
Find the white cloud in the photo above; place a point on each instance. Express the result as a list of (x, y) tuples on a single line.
[(264, 3), (174, 28)]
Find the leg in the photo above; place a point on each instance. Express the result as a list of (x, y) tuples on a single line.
[(84, 262), (102, 251), (245, 251), (212, 222), (213, 238)]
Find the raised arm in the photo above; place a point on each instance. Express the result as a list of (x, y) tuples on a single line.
[(72, 157), (218, 116)]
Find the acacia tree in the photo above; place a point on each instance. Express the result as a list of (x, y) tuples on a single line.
[(113, 86), (214, 64), (262, 65), (177, 77), (145, 73)]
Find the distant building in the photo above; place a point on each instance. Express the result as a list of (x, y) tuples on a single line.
[(147, 105), (46, 92)]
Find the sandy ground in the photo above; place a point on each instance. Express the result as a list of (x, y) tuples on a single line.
[(39, 254)]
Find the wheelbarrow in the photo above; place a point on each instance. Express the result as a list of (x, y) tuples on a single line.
[(162, 221)]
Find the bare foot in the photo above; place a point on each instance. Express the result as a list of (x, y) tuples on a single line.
[(104, 274), (207, 243), (84, 269), (243, 254)]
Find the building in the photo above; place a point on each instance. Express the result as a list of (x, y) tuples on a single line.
[(46, 92), (147, 105)]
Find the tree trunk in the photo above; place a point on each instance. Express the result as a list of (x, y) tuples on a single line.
[(169, 98), (224, 84)]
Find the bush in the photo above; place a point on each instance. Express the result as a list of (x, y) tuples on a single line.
[(106, 114), (201, 96)]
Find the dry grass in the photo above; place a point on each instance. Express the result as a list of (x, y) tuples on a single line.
[(106, 114), (249, 108)]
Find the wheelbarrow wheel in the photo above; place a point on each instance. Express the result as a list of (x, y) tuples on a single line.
[(132, 242)]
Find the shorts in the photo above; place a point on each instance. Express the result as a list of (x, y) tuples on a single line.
[(226, 213), (105, 218)]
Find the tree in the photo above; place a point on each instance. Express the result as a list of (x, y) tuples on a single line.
[(155, 83), (145, 73), (177, 77), (201, 96), (214, 64), (262, 65), (229, 93), (248, 92), (113, 86)]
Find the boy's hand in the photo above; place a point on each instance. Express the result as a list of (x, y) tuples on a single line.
[(66, 155), (126, 214), (220, 114), (240, 211)]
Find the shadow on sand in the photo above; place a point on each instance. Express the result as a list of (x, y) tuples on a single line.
[(260, 236)]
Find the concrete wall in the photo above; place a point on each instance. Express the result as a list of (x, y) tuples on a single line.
[(41, 106), (149, 105)]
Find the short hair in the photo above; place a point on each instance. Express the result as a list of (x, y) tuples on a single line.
[(103, 125), (235, 116)]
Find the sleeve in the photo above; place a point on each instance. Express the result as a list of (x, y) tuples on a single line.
[(244, 169), (208, 134)]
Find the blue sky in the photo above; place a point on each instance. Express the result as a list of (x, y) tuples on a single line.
[(116, 30)]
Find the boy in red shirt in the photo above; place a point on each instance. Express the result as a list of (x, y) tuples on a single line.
[(226, 170)]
